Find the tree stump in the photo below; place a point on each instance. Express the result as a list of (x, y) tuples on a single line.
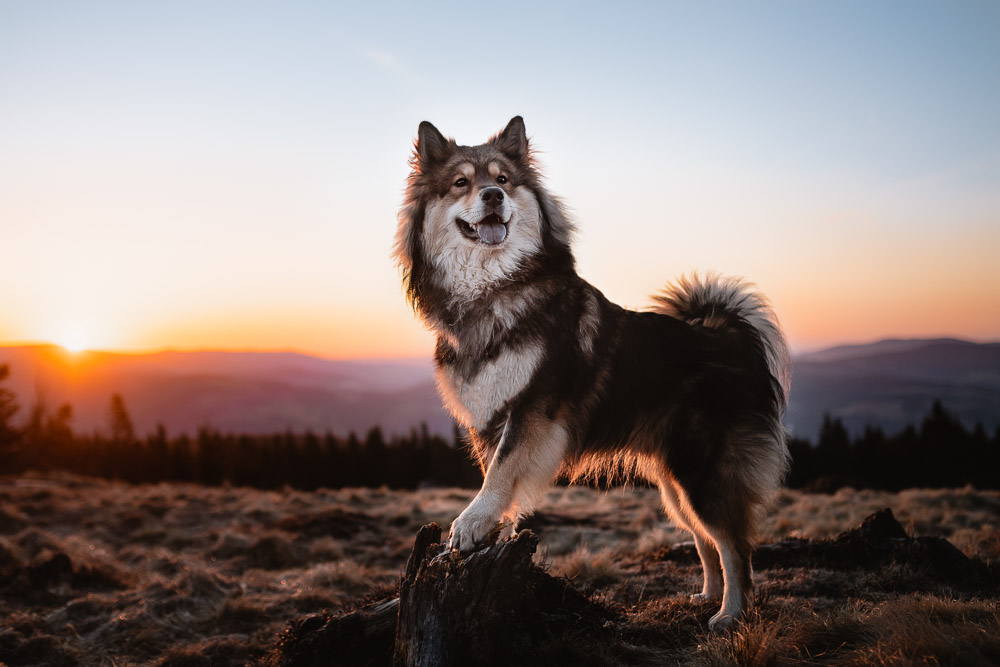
[(456, 610), (362, 638), (490, 607)]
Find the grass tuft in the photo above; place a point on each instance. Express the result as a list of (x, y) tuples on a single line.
[(587, 568)]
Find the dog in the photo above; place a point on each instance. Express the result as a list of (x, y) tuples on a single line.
[(548, 376)]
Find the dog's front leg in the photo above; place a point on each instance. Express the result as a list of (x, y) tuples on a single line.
[(524, 464)]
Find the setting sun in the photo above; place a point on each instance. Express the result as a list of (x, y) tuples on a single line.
[(73, 340)]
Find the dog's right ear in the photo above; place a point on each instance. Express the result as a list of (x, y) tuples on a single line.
[(432, 147), (513, 141)]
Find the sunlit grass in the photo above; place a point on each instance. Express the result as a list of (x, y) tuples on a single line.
[(180, 573)]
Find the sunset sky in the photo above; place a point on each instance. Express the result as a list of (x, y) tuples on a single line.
[(226, 174)]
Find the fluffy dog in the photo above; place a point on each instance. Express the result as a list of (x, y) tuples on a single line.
[(548, 376)]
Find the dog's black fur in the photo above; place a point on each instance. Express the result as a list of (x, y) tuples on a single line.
[(689, 396)]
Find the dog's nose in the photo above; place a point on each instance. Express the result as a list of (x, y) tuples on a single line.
[(492, 196)]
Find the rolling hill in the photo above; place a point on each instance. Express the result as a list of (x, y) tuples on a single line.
[(890, 383), (246, 392)]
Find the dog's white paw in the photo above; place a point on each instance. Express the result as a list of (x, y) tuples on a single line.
[(471, 527), (723, 621)]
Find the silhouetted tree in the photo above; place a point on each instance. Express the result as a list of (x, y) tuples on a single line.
[(122, 430), (941, 452), (157, 454), (58, 438), (9, 436), (376, 461), (34, 450), (833, 435)]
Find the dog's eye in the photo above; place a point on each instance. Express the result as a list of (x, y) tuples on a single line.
[(461, 183), (501, 179)]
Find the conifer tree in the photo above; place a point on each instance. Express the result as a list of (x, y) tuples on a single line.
[(122, 430), (9, 436)]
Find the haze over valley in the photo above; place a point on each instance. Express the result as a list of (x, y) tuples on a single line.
[(890, 384)]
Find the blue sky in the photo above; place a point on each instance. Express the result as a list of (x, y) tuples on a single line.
[(227, 174)]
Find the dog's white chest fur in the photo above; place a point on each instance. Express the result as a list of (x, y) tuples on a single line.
[(476, 398)]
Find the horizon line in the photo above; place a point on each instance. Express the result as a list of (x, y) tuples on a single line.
[(797, 350)]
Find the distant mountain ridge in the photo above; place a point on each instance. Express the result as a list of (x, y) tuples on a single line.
[(890, 383), (244, 392)]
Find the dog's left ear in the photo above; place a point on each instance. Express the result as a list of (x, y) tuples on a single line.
[(513, 142)]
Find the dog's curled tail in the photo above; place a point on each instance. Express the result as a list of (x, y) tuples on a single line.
[(720, 302)]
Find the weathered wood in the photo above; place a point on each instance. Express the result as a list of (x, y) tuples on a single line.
[(490, 607), (362, 638), (456, 610), (485, 608)]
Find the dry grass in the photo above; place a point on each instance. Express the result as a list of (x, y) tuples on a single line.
[(586, 568), (921, 629), (101, 573), (968, 518)]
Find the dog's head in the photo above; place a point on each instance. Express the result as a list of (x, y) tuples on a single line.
[(475, 216)]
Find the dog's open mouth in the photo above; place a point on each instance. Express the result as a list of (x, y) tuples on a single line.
[(490, 230)]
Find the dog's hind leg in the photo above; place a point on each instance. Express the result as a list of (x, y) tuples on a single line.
[(712, 588), (735, 553), (524, 464), (727, 525)]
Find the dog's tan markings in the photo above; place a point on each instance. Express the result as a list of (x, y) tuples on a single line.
[(514, 482), (468, 270)]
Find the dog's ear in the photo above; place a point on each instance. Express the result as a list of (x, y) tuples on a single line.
[(513, 142), (432, 147)]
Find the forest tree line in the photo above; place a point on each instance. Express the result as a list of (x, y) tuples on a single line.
[(940, 452)]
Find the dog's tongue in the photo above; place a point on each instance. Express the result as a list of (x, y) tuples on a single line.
[(492, 233)]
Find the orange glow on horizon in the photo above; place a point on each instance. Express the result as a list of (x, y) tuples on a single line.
[(843, 292), (813, 316)]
